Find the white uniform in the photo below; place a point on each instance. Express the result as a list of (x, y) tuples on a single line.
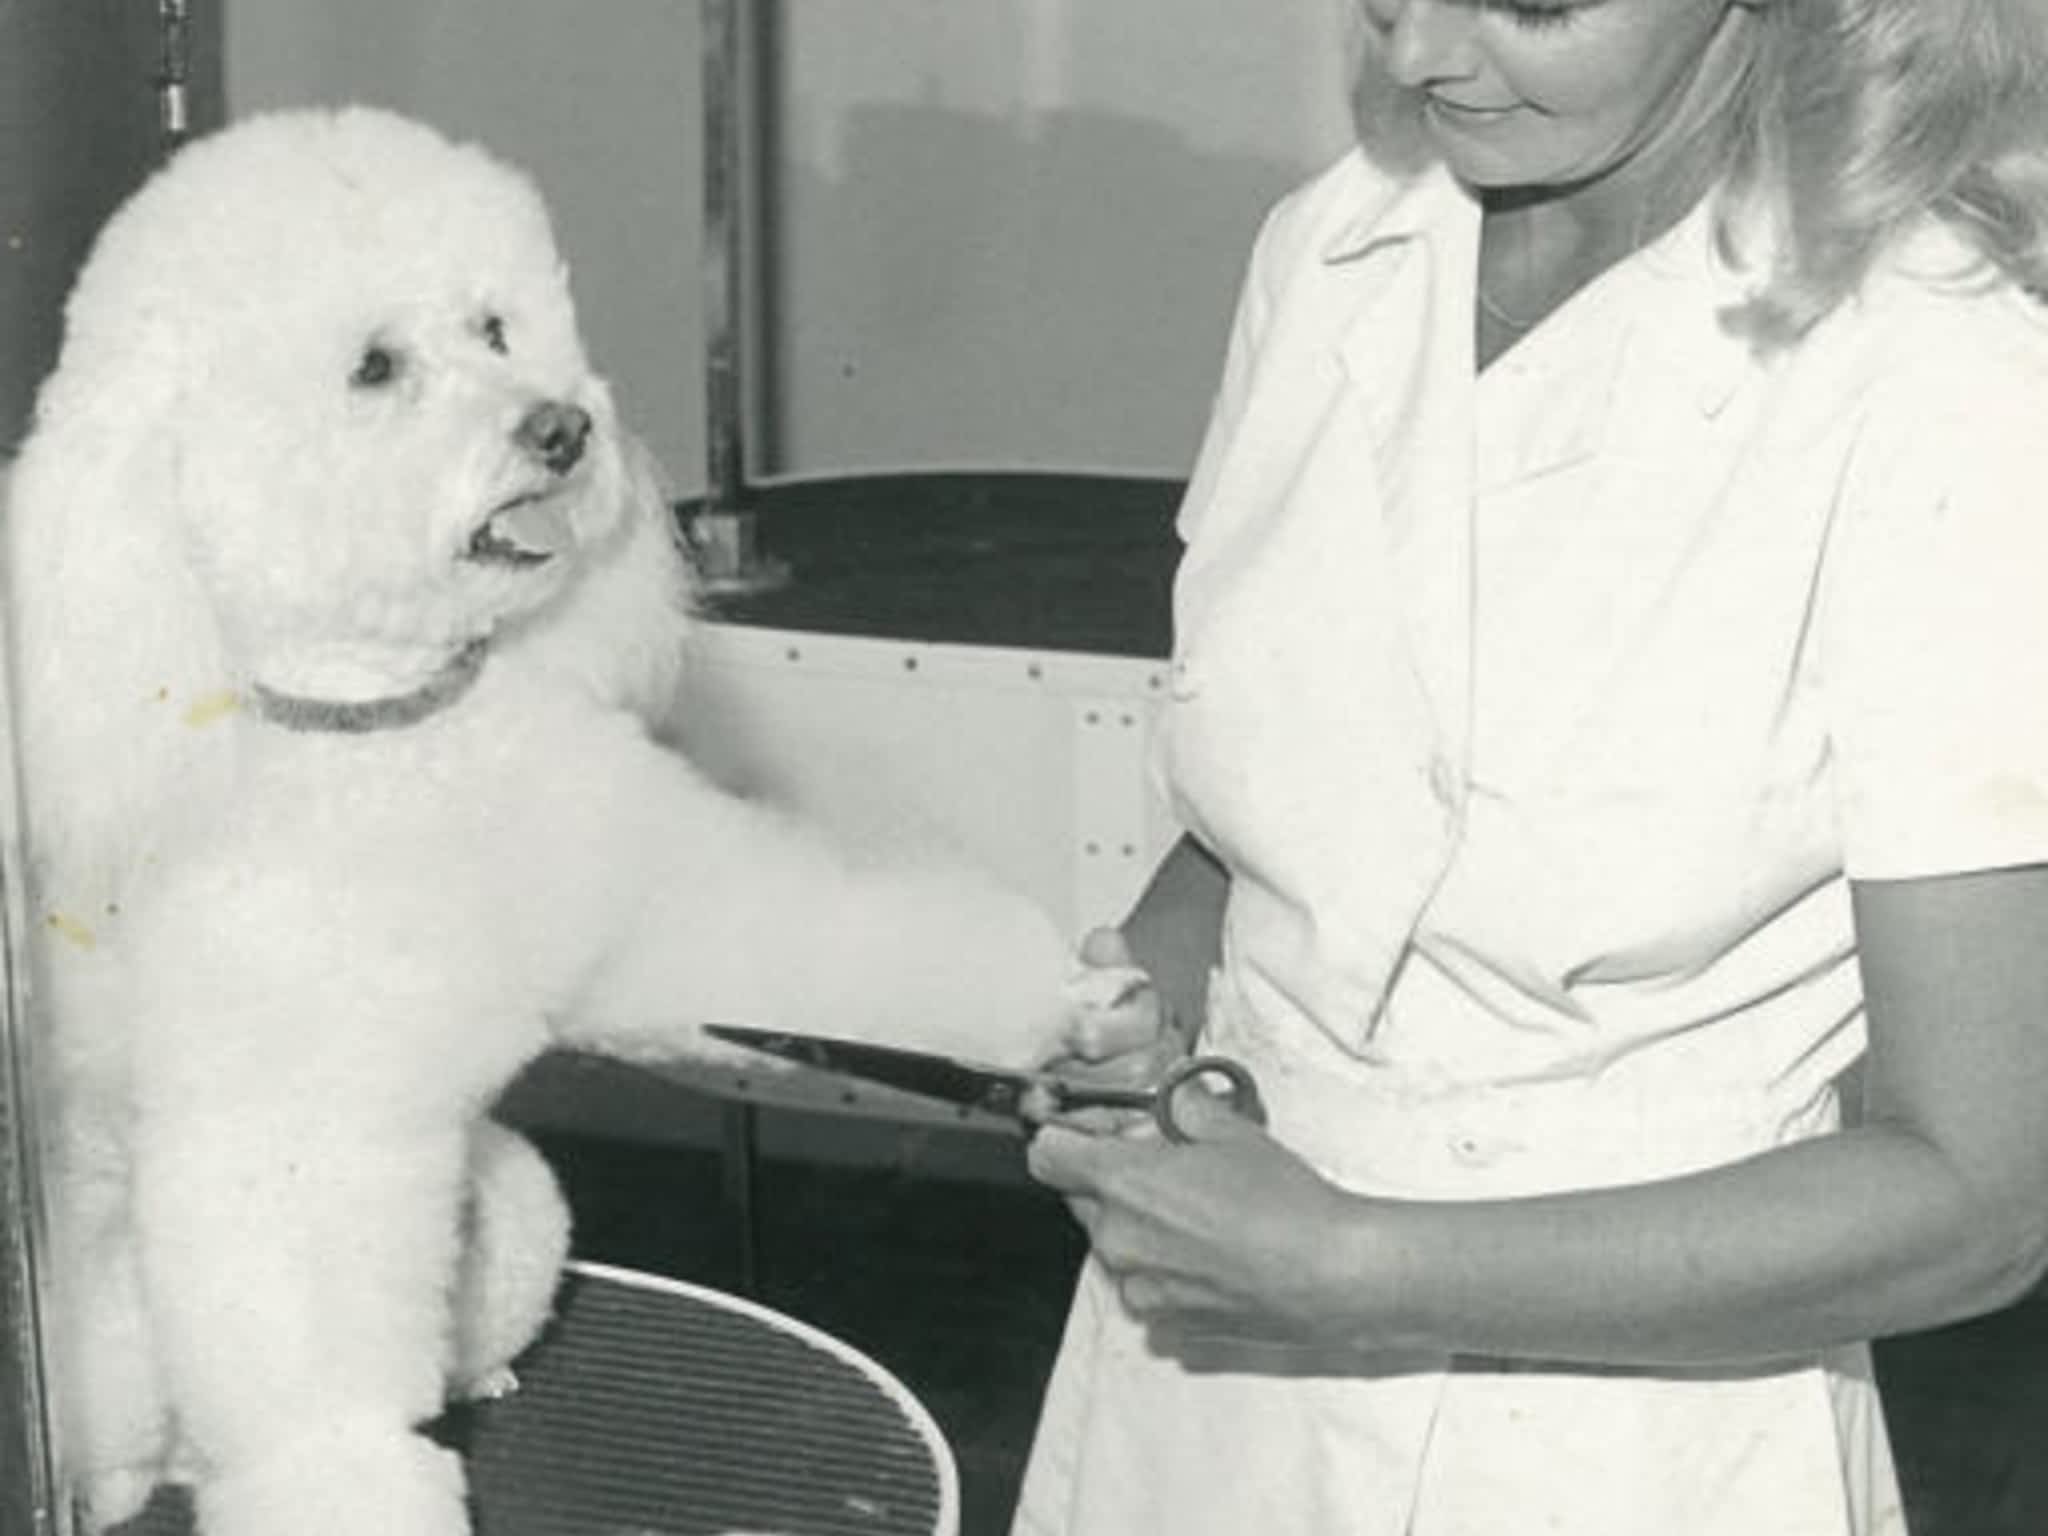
[(1541, 717)]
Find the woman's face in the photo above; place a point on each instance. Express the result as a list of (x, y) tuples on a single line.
[(1544, 93)]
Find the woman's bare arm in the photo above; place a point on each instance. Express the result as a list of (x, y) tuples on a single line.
[(1934, 1208)]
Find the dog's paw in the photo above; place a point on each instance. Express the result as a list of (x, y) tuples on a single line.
[(979, 972), (490, 1387), (114, 1497), (340, 1481)]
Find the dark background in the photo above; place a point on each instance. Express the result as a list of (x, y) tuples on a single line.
[(79, 127)]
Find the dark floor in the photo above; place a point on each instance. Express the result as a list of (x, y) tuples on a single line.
[(959, 1289)]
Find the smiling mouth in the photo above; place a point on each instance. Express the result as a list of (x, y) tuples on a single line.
[(1466, 109), (528, 530)]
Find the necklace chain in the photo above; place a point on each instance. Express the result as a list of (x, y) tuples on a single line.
[(1492, 307), (1487, 303)]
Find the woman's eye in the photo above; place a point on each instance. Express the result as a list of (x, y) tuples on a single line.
[(492, 329), (1536, 18), (377, 367)]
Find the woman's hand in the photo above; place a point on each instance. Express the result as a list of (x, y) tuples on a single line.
[(1229, 1235), (1118, 1033)]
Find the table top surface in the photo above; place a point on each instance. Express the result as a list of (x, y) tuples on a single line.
[(653, 1407), (1027, 560)]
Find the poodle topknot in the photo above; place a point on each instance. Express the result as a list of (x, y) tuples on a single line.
[(345, 614)]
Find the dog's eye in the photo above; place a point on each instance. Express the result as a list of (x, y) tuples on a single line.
[(377, 367), (492, 329)]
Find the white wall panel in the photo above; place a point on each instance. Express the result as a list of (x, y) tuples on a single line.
[(1034, 765), (1005, 232)]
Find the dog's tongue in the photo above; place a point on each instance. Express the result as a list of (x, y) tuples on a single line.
[(540, 527)]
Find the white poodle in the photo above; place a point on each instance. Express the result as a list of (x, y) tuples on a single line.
[(342, 607)]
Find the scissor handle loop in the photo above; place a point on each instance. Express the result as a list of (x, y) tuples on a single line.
[(1239, 1087)]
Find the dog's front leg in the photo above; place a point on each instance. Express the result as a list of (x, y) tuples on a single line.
[(104, 1358), (707, 908), (298, 1266)]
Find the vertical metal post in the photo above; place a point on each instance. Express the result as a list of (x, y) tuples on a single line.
[(31, 1496), (174, 71), (723, 532), (740, 1142), (724, 251)]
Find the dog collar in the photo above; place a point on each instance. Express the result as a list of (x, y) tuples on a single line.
[(356, 717)]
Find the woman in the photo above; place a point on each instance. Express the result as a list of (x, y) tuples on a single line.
[(1611, 716)]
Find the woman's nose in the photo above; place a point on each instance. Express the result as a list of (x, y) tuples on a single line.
[(1425, 40)]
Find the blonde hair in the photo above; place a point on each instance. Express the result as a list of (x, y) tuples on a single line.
[(1868, 117), (1847, 125)]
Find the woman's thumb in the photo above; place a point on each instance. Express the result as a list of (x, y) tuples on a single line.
[(1105, 946)]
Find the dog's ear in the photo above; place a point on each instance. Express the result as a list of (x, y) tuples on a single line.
[(119, 665)]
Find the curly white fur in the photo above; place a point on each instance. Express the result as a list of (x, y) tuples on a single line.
[(290, 451)]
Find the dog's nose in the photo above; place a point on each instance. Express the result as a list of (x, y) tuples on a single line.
[(554, 433)]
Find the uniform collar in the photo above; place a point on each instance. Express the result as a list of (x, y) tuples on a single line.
[(1405, 260), (1406, 254), (1688, 333), (1683, 337), (1411, 207), (1654, 331)]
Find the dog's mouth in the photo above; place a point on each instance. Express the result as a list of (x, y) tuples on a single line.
[(526, 530)]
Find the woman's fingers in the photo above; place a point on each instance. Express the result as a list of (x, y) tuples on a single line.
[(1106, 1034), (1217, 1238), (1151, 1294), (1066, 1160), (1113, 1010), (1103, 1124), (1101, 1178), (1107, 948), (1202, 1113)]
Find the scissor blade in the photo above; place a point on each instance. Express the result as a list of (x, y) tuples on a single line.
[(919, 1072)]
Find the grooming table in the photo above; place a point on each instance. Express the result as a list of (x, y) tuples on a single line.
[(658, 1408)]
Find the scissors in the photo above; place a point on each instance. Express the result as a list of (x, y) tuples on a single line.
[(993, 1090)]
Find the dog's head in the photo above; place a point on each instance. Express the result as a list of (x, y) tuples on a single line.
[(383, 435), (322, 424)]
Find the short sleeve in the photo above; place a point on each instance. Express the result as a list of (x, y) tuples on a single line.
[(1291, 244), (1935, 643)]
